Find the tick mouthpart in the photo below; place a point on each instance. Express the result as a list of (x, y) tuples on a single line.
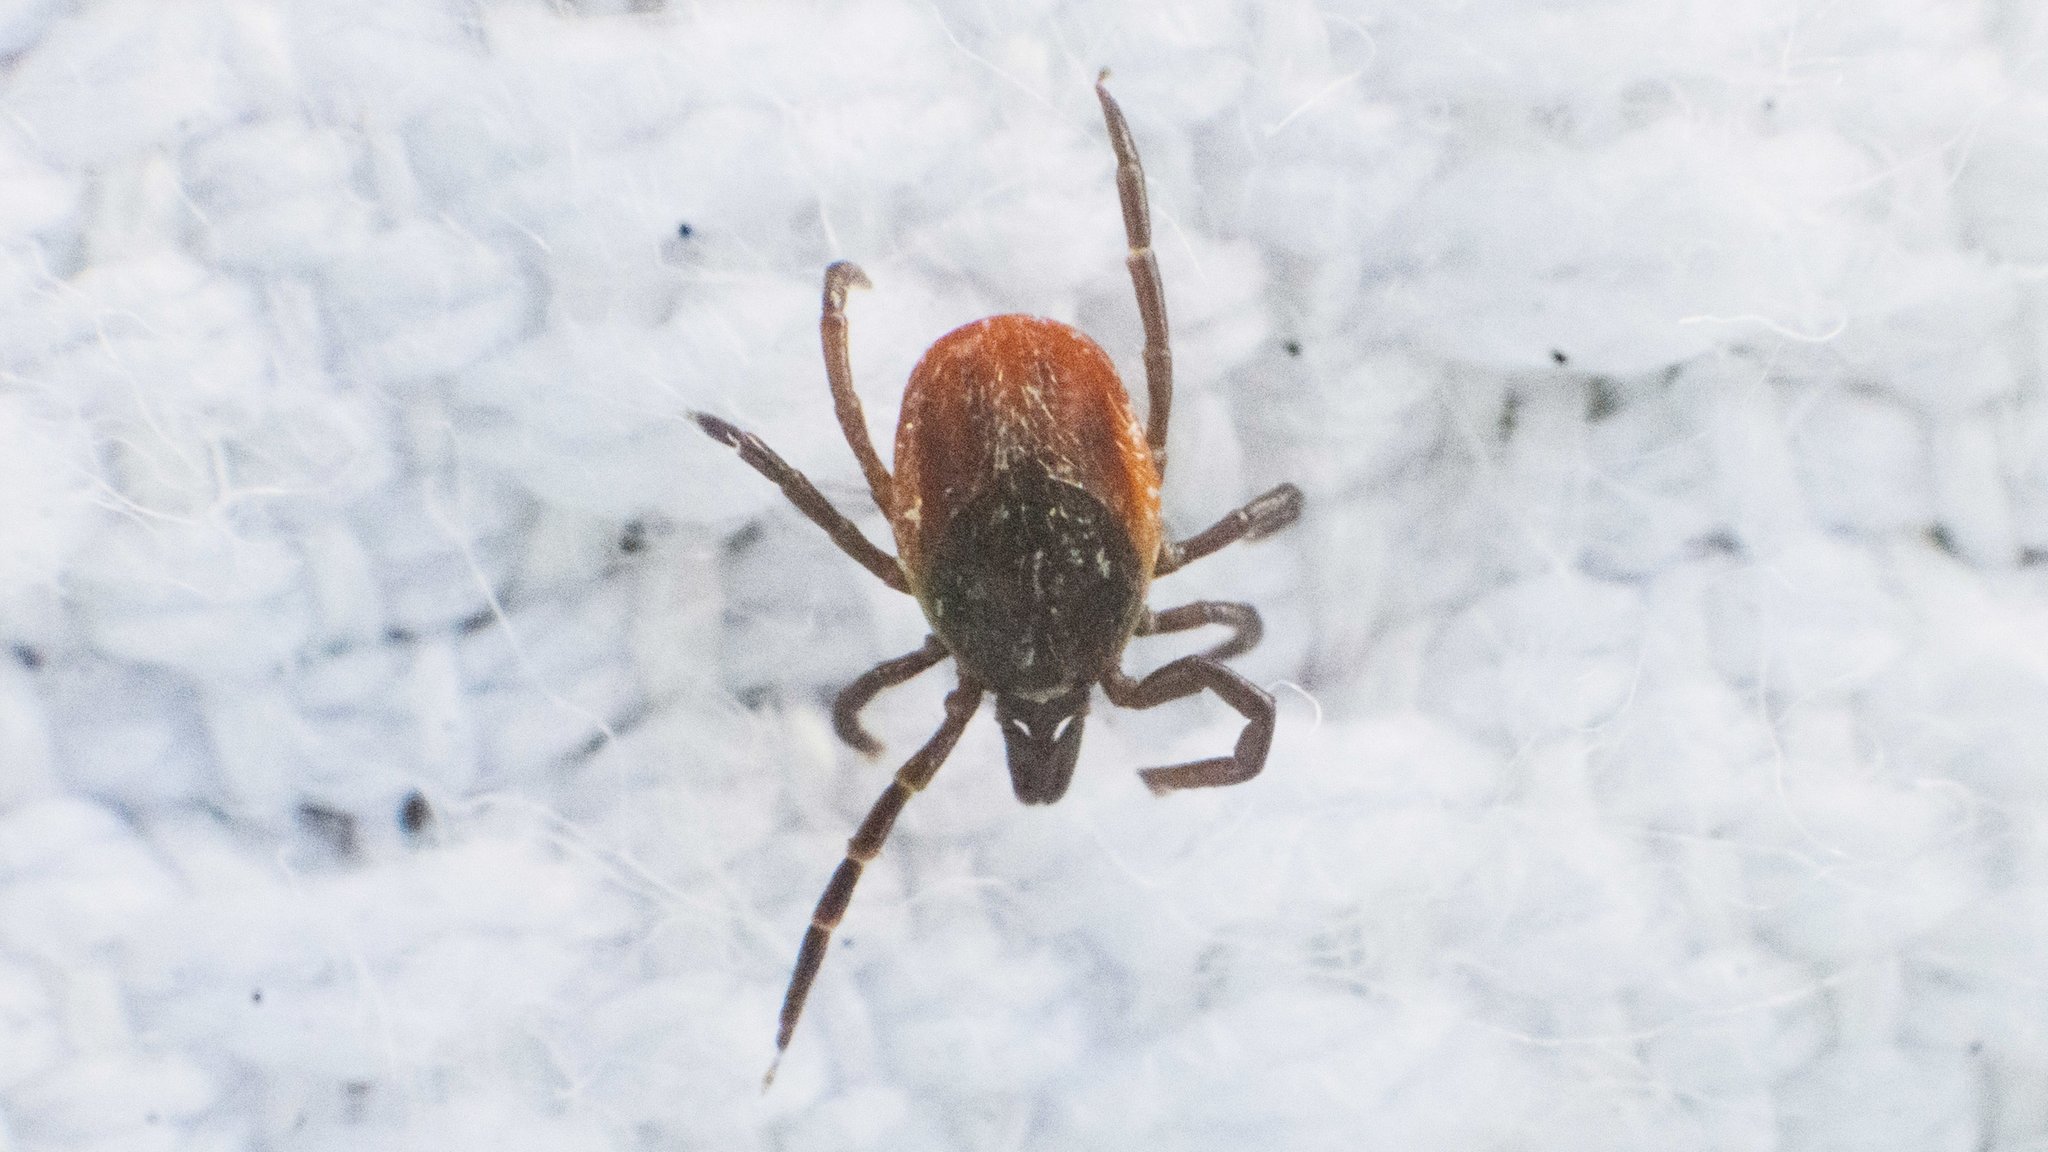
[(1043, 742)]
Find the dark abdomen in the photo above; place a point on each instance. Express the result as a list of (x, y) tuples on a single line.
[(1033, 584)]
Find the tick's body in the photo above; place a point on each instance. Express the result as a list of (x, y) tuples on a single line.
[(1025, 505), (1027, 521), (1020, 403)]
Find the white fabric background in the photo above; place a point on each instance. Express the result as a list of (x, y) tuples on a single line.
[(1662, 661)]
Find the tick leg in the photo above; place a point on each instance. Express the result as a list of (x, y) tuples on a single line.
[(1257, 520), (872, 683), (806, 497), (839, 277), (1242, 619), (1130, 190), (1185, 677), (866, 843)]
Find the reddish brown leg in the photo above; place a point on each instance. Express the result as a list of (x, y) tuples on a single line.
[(806, 497), (839, 277), (1185, 677), (1242, 619), (872, 683), (1257, 520), (1144, 266), (866, 843)]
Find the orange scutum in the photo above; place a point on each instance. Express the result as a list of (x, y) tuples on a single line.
[(1007, 391)]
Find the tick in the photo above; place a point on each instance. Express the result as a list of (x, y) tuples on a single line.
[(1025, 506)]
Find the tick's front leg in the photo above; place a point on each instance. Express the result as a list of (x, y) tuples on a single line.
[(866, 844), (1185, 677)]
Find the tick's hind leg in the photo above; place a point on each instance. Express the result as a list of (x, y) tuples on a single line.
[(1246, 628), (872, 683), (839, 276), (1257, 520), (866, 843), (1185, 677), (806, 497), (1144, 266)]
